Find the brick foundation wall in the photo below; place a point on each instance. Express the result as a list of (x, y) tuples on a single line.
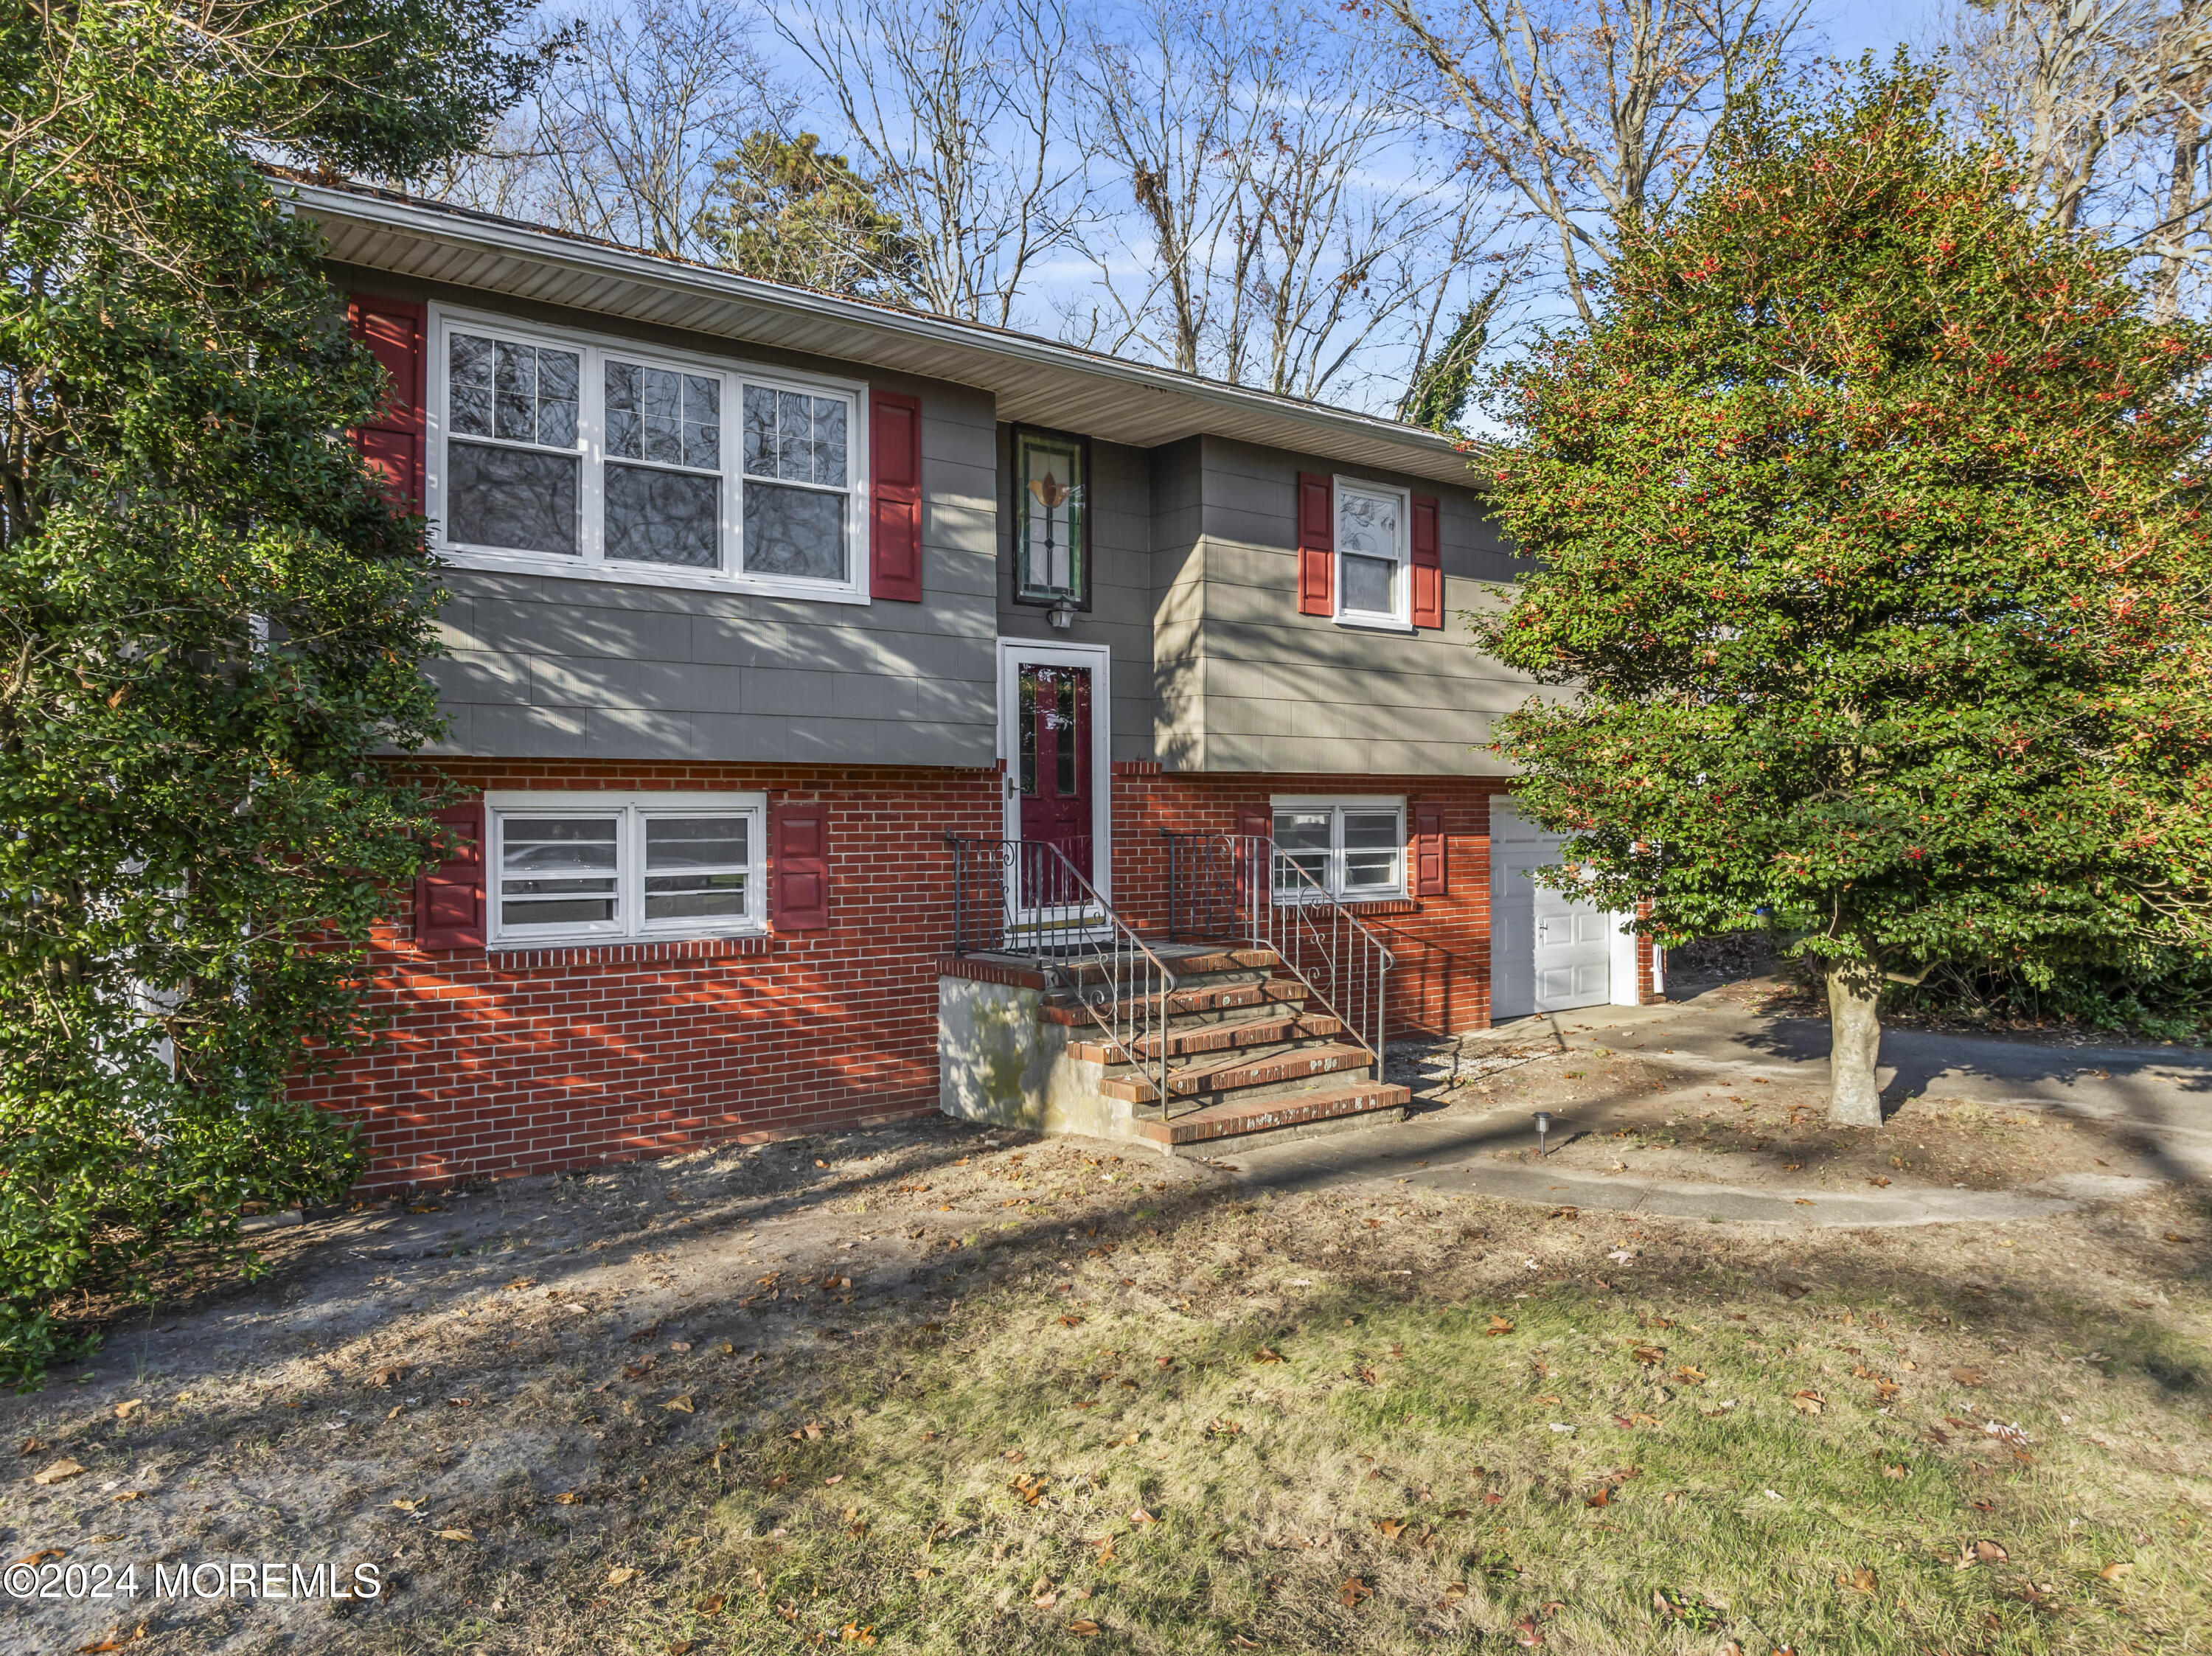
[(1440, 982), (512, 1063), (505, 1063)]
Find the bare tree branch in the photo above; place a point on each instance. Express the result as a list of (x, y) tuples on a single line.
[(1599, 112)]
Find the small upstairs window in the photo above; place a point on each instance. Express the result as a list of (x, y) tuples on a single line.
[(1052, 518), (1370, 550)]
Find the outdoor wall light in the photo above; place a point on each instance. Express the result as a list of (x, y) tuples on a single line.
[(1062, 615)]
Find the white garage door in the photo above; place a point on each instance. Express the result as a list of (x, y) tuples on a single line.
[(1547, 953)]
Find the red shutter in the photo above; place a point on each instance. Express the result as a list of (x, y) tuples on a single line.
[(1428, 564), (895, 497), (1317, 545), (1432, 872), (449, 899), (798, 838), (392, 442)]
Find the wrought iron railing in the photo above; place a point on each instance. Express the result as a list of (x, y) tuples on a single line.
[(1243, 889), (1026, 898)]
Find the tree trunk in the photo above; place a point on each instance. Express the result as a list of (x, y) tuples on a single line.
[(1854, 1043)]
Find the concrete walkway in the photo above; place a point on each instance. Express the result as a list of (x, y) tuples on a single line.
[(2159, 1095)]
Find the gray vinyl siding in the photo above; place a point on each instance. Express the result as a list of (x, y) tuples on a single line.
[(1276, 691), (1119, 614), (558, 668)]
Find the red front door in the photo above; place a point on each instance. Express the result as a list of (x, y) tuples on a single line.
[(1053, 714)]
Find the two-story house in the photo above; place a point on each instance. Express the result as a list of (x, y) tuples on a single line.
[(854, 704)]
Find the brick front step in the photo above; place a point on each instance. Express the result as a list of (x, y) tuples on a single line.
[(1216, 1037), (1208, 998), (1227, 1075), (1274, 1115)]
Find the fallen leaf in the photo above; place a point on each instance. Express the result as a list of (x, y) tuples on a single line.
[(1981, 1552), (459, 1402), (2114, 1572), (1811, 1402), (1389, 1528), (1497, 1325), (1690, 1376), (1859, 1580), (454, 1535), (111, 1642), (1893, 1472), (1069, 1322), (31, 1446), (57, 1473), (682, 1406), (1968, 1376), (521, 1283), (619, 1575), (1354, 1590), (125, 1410), (1650, 1354), (1083, 1629), (44, 1555), (1264, 1354), (131, 1495), (1527, 1634), (1140, 1516), (1885, 1390), (1602, 1498), (565, 1498), (1882, 1180)]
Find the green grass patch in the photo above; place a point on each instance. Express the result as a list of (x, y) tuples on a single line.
[(1366, 1472)]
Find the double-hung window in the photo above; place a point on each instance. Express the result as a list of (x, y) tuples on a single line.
[(1352, 849), (1372, 527), (587, 867), (565, 454)]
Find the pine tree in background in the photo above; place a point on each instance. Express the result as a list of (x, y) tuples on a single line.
[(210, 618), (779, 209), (1870, 522)]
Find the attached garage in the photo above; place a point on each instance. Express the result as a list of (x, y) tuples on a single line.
[(1548, 953)]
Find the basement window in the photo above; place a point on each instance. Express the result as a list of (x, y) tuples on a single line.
[(1351, 849), (594, 867)]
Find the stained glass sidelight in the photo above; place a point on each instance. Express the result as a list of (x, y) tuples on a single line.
[(1052, 518)]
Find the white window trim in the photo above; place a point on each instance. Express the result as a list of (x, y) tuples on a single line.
[(1400, 620), (1338, 804), (590, 562), (634, 809)]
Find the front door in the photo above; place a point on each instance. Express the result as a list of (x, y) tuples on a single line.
[(1051, 719)]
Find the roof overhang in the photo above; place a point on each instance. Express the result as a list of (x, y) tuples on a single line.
[(1034, 381)]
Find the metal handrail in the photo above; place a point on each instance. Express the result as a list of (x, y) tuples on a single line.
[(1044, 907), (1229, 881)]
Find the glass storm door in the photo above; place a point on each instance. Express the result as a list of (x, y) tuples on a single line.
[(1052, 714)]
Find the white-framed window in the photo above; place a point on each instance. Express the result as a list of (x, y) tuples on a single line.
[(1373, 528), (591, 867), (1352, 849), (570, 454)]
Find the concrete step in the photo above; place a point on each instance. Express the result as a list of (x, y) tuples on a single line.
[(1205, 997), (1214, 1037), (1246, 1123), (1230, 1074)]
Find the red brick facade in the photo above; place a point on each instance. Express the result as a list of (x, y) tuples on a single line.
[(522, 1061), (512, 1062), (1440, 983)]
